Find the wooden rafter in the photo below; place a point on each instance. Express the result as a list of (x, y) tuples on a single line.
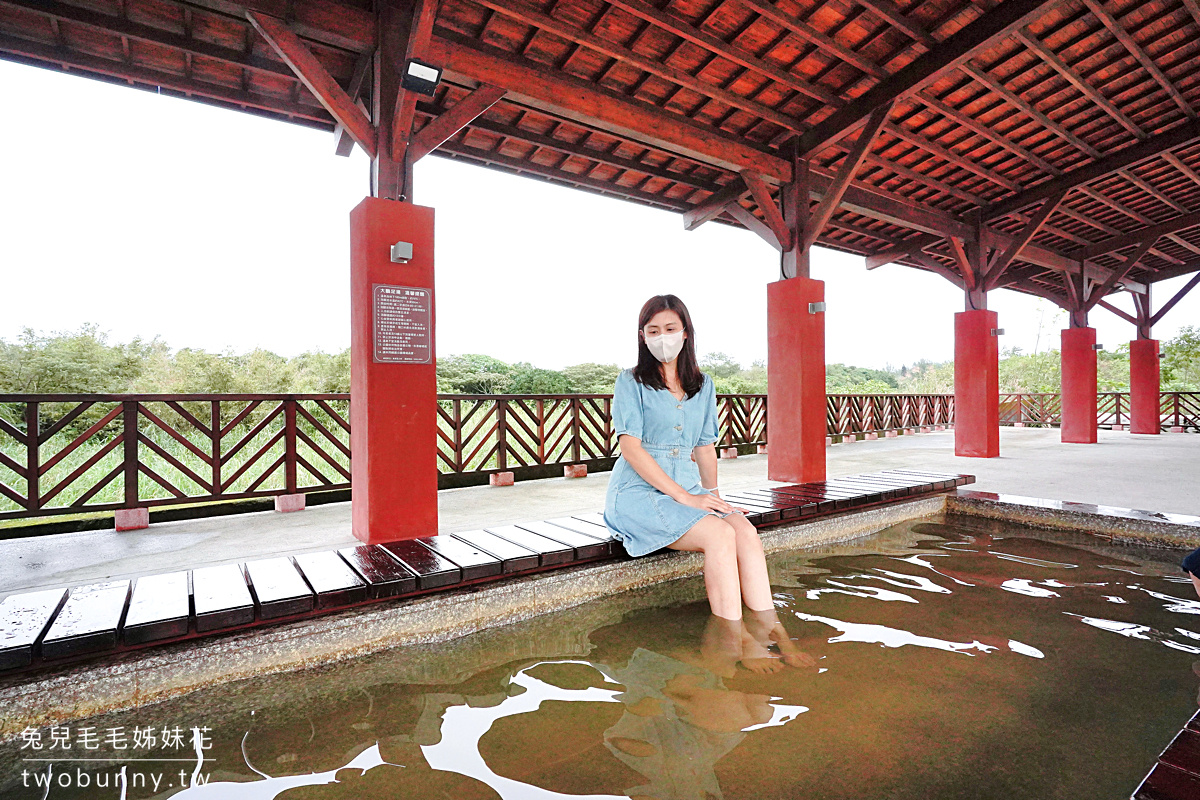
[(313, 75), (1187, 287), (770, 211), (1098, 292), (837, 188), (1110, 163), (715, 204), (343, 141), (1179, 223), (1003, 19), (1122, 36), (451, 122), (1018, 242), (420, 31)]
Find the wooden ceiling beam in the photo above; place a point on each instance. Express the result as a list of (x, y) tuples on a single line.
[(447, 124), (1000, 21), (1176, 162), (814, 37), (1010, 252), (1132, 320), (1187, 287), (754, 224), (313, 75), (420, 31), (850, 164), (684, 30), (1075, 79), (82, 63), (1097, 292), (115, 25), (712, 207), (530, 16), (1188, 131), (343, 141), (583, 101), (772, 216), (1179, 223), (1127, 41)]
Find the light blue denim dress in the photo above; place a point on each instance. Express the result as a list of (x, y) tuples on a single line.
[(640, 516)]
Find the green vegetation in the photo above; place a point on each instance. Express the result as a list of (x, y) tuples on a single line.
[(85, 361)]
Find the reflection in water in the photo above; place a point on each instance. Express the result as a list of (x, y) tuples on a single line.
[(854, 690)]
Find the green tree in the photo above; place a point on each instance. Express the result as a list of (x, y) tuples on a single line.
[(592, 378), (528, 379), (473, 374), (720, 365), (1181, 360)]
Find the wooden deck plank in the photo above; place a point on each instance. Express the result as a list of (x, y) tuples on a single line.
[(432, 570), (160, 608), (513, 557), (221, 597), (1168, 783), (600, 532), (384, 575), (473, 562), (23, 619), (88, 621), (585, 546), (331, 578), (549, 551), (279, 587)]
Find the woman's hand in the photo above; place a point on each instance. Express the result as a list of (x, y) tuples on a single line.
[(708, 502)]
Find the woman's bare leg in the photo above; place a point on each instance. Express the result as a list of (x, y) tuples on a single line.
[(751, 564), (714, 537)]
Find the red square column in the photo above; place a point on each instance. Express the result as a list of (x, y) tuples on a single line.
[(1079, 385), (796, 380), (1145, 387), (976, 384), (393, 382)]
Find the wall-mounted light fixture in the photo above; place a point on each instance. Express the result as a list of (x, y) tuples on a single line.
[(816, 308), (401, 252), (997, 331), (1097, 347), (420, 77)]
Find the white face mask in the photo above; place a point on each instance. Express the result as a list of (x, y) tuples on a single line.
[(665, 346)]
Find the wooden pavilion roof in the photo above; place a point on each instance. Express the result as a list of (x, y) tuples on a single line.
[(1082, 110)]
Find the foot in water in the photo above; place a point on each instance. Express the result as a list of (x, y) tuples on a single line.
[(767, 630)]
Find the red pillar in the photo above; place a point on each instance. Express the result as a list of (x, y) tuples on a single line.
[(393, 385), (976, 384), (1144, 387), (796, 380), (1079, 385)]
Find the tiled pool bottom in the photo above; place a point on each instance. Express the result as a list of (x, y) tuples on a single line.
[(970, 660)]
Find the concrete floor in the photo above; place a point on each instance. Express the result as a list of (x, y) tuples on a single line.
[(1156, 473)]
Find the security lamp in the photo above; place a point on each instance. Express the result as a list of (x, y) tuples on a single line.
[(421, 77)]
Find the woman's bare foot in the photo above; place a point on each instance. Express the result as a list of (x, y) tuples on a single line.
[(755, 655), (721, 646), (772, 631)]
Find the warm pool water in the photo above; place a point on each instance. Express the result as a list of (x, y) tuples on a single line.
[(956, 660)]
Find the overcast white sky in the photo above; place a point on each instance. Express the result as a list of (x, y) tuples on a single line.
[(152, 216)]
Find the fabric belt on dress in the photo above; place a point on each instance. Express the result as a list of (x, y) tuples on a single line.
[(669, 450)]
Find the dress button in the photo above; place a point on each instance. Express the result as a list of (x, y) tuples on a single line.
[(674, 451), (679, 406), (678, 427)]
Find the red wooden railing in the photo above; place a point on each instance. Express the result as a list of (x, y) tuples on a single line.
[(63, 454)]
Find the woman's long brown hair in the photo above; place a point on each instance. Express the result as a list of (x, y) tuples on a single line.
[(649, 369)]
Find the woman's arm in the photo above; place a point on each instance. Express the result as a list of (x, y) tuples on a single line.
[(706, 460), (644, 464)]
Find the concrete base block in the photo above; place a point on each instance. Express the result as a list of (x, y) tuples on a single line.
[(1176, 429), (575, 471), (500, 479), (939, 427), (762, 449), (828, 441), (925, 429), (729, 452), (849, 438), (1018, 424), (870, 437), (1118, 427), (131, 519), (891, 434), (286, 503)]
